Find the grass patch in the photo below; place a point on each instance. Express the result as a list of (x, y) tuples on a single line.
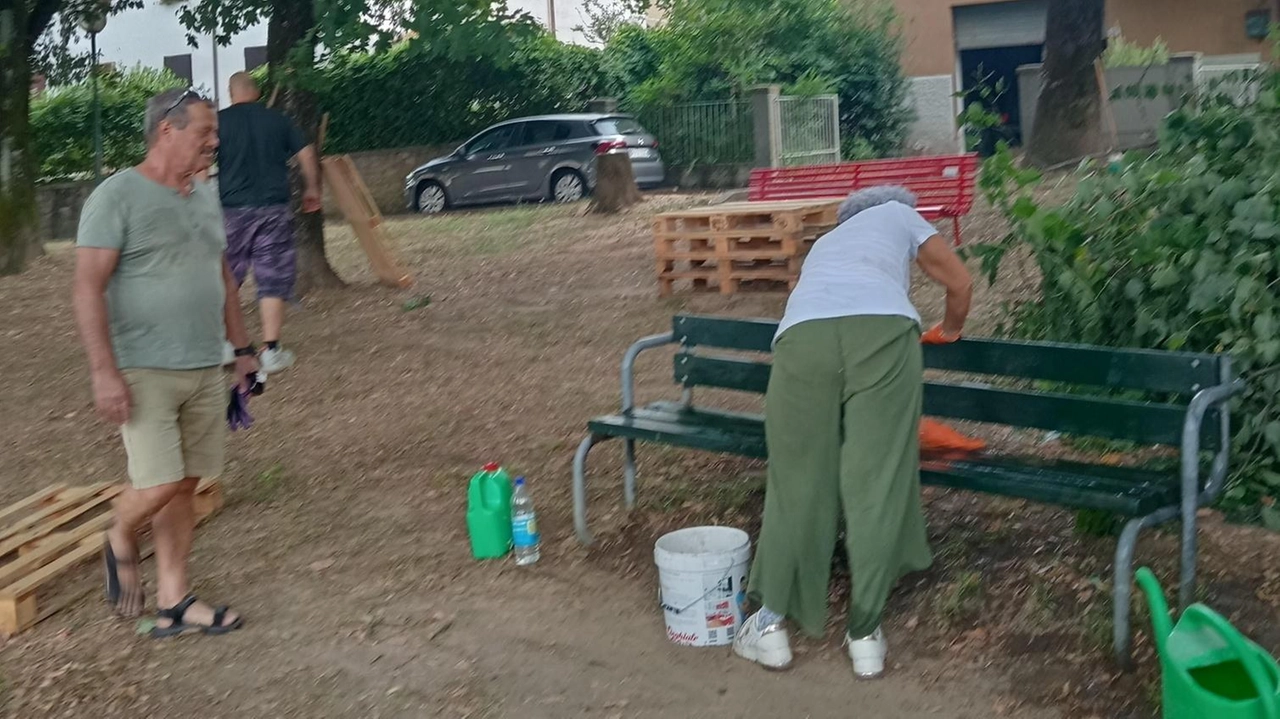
[(960, 598), (416, 303), (267, 485)]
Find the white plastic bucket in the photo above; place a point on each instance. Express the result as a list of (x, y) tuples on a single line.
[(702, 578)]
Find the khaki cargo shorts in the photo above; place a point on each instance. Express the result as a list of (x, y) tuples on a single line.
[(177, 425)]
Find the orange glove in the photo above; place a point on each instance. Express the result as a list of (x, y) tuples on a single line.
[(938, 437), (938, 336)]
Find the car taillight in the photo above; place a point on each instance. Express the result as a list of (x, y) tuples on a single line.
[(608, 146)]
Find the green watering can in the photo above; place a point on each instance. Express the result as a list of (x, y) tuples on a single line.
[(1210, 670)]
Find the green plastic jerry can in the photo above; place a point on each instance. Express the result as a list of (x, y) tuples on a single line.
[(489, 512), (1209, 670)]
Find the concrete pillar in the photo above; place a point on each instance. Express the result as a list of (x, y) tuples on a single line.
[(768, 129), (602, 105)]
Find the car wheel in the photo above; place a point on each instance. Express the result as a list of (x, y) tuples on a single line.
[(567, 186), (431, 198)]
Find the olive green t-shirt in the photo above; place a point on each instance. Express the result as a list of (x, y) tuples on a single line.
[(165, 300)]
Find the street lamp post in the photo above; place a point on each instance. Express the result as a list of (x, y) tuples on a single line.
[(94, 22), (97, 111)]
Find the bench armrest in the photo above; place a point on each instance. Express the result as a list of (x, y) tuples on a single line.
[(629, 366), (1205, 400)]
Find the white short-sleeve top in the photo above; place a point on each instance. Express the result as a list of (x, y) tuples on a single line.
[(862, 267)]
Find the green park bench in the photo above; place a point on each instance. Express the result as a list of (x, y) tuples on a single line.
[(1147, 397)]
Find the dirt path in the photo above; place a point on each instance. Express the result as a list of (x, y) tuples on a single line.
[(343, 539)]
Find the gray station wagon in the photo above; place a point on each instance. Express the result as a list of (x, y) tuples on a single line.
[(550, 157)]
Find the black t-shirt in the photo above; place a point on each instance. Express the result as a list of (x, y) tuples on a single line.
[(255, 144)]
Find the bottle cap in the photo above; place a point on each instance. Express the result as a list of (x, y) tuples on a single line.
[(519, 481), (491, 467)]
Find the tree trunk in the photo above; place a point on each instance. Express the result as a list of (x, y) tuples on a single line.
[(290, 28), (615, 185), (1068, 122), (17, 163)]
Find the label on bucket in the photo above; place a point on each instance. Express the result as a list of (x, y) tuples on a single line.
[(703, 610)]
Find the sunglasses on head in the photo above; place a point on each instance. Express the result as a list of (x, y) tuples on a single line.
[(188, 95)]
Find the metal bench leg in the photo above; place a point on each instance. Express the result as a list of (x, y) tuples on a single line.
[(1122, 636), (580, 488), (629, 474)]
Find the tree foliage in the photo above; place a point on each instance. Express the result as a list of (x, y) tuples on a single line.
[(713, 49), (63, 121), (1175, 249)]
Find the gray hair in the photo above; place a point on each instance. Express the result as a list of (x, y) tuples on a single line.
[(865, 199), (171, 105)]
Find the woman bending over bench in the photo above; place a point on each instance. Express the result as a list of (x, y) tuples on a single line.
[(842, 416)]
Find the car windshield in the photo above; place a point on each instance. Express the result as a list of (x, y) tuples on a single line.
[(619, 126)]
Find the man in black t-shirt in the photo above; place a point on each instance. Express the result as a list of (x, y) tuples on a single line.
[(256, 145)]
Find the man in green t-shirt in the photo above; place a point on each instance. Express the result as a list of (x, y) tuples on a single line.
[(155, 301)]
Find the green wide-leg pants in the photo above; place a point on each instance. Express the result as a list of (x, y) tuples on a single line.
[(842, 417)]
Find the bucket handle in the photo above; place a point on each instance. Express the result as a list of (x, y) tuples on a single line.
[(1249, 658), (674, 610)]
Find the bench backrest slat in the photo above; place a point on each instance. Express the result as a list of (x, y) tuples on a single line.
[(721, 333), (946, 181), (1182, 373), (1145, 370), (1141, 422)]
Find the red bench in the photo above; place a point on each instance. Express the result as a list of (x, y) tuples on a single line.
[(943, 184)]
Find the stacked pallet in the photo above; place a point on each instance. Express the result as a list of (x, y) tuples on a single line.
[(739, 246), (52, 532)]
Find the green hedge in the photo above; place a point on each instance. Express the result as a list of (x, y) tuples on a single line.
[(62, 122), (409, 97)]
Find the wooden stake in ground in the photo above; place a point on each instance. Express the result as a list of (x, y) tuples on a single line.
[(616, 188)]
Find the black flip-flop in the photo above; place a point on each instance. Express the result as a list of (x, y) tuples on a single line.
[(177, 627), (111, 569)]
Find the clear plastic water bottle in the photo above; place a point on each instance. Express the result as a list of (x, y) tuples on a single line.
[(524, 525)]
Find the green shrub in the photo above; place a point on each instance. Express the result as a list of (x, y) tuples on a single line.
[(62, 122), (1122, 53), (717, 49), (1174, 249)]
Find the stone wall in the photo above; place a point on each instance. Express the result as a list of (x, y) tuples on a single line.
[(58, 208), (383, 171), (933, 130)]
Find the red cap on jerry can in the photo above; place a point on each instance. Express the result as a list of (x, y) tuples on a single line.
[(492, 467)]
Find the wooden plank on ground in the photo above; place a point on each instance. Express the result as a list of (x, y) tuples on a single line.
[(66, 500), (38, 498), (16, 542), (362, 214)]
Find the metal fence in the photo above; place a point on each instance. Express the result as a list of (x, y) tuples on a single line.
[(719, 132), (809, 129)]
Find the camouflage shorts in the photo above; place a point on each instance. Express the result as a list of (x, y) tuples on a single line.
[(261, 238)]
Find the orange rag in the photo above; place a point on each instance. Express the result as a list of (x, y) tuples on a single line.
[(938, 336), (938, 437)]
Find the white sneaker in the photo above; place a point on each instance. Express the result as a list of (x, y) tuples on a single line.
[(868, 654), (767, 646), (228, 354), (272, 361)]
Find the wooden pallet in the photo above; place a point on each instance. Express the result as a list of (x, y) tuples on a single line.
[(727, 247), (52, 532)]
